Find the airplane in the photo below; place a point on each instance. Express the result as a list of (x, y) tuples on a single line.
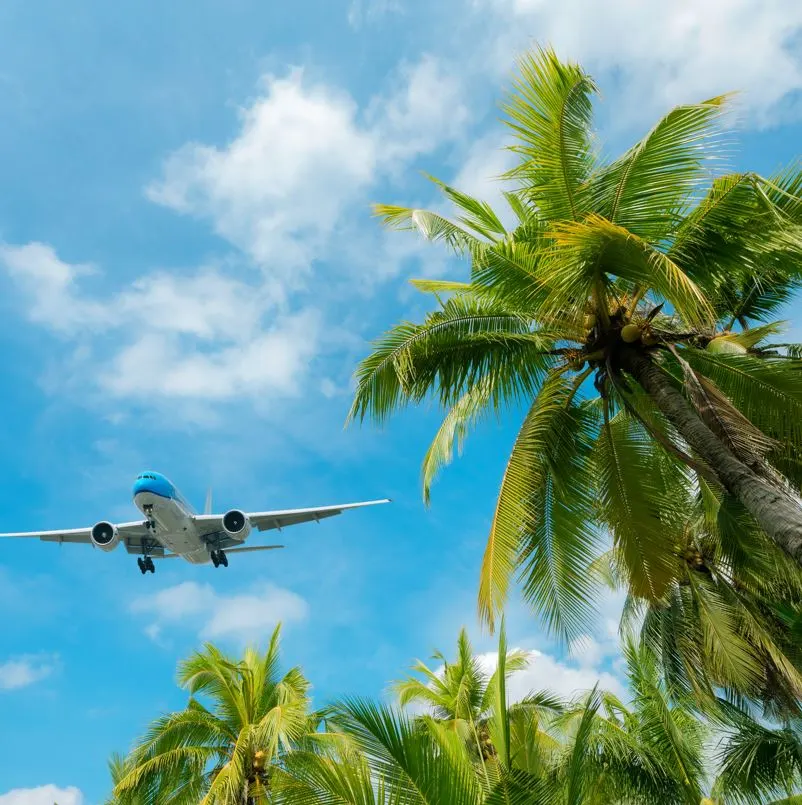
[(172, 529)]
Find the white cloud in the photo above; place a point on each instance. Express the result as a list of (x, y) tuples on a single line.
[(242, 617), (201, 335), (487, 159), (49, 283), (20, 672), (662, 54), (43, 795), (283, 181), (272, 361), (303, 156), (425, 109), (279, 191), (544, 672)]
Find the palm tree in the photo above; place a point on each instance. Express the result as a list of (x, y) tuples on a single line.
[(223, 751), (602, 753), (620, 310), (390, 758), (462, 697)]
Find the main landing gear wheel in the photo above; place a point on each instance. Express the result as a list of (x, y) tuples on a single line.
[(145, 564), (219, 558)]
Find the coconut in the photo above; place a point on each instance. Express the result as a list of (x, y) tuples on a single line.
[(590, 321), (649, 339), (725, 345), (630, 333)]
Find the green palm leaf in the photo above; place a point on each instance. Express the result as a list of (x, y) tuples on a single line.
[(550, 111), (543, 514), (640, 504), (648, 189)]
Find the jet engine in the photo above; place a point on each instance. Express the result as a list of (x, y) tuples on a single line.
[(104, 536), (236, 524)]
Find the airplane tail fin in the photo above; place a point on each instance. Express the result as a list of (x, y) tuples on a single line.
[(207, 509)]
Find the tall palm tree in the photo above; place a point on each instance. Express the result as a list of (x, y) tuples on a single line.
[(241, 719), (630, 309)]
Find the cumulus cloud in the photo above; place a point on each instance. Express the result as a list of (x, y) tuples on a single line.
[(43, 795), (281, 184), (302, 156), (662, 54), (241, 617), (197, 335), (20, 672), (424, 109), (545, 672)]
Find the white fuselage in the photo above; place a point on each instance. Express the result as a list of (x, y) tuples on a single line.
[(175, 526)]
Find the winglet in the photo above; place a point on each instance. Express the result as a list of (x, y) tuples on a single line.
[(207, 509)]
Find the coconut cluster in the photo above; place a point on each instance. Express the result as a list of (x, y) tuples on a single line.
[(631, 333)]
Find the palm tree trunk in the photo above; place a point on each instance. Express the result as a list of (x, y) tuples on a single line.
[(776, 513)]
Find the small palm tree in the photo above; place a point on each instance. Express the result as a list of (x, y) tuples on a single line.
[(460, 692), (389, 759), (241, 719), (463, 697), (630, 309)]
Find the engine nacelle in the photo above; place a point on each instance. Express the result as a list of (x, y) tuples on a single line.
[(104, 536), (236, 524)]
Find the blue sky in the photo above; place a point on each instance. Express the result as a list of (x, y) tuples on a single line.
[(189, 273)]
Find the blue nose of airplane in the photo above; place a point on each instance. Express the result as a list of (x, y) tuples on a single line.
[(154, 483)]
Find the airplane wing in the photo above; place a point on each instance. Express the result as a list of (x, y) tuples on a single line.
[(281, 518), (127, 531)]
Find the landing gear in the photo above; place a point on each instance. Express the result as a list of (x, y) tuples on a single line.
[(219, 558), (145, 564)]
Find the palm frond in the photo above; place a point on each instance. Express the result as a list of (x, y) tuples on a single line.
[(550, 113), (648, 189), (639, 505), (453, 349), (591, 251), (542, 520)]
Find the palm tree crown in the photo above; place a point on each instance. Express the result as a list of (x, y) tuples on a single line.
[(221, 752), (630, 310)]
